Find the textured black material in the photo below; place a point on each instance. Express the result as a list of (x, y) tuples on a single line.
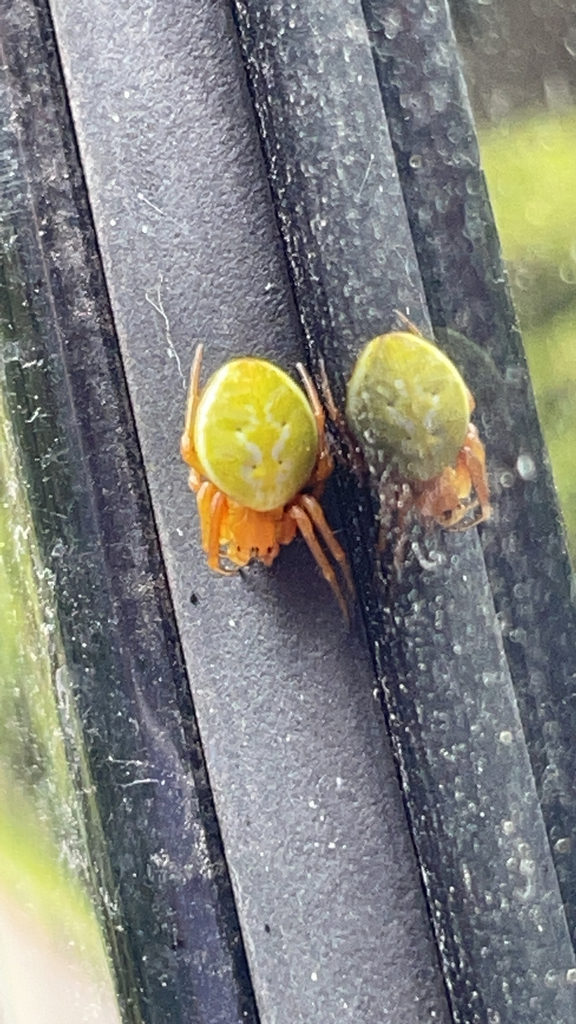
[(370, 159), (325, 877), (163, 888), (324, 874), (436, 634), (459, 258)]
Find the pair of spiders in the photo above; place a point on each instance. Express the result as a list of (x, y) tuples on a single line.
[(259, 457)]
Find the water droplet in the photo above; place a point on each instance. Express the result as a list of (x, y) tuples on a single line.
[(526, 467)]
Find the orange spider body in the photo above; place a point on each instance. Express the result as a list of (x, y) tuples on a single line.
[(258, 458)]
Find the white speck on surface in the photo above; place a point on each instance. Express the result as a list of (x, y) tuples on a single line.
[(507, 479), (508, 828), (314, 976), (506, 737), (312, 803), (115, 118), (339, 782), (571, 975), (526, 467), (467, 877)]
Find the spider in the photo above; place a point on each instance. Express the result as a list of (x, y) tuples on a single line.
[(259, 461), (409, 407), (408, 403)]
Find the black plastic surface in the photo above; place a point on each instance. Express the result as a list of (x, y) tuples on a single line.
[(436, 635), (370, 157), (163, 888)]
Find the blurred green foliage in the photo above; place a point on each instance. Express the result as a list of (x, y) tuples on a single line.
[(43, 859), (530, 165)]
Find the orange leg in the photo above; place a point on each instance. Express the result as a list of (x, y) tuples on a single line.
[(315, 513), (218, 510), (204, 495), (212, 509), (306, 529), (355, 454), (475, 459), (408, 324), (324, 461), (194, 480), (187, 441)]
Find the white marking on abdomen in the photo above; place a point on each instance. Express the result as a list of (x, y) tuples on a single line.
[(280, 444)]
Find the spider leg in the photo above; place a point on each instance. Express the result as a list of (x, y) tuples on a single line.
[(204, 495), (355, 454), (474, 457), (194, 480), (397, 502), (187, 443), (388, 497), (315, 513), (307, 530), (404, 507), (218, 507), (313, 398), (408, 324), (324, 461)]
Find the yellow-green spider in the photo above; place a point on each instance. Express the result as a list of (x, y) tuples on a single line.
[(410, 411), (259, 461)]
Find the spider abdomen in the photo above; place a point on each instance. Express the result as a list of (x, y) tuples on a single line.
[(255, 434)]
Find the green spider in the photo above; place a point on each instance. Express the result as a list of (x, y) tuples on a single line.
[(410, 408), (259, 461)]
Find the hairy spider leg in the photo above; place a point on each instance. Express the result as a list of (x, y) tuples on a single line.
[(187, 449), (407, 323), (397, 502), (356, 459), (474, 457), (306, 528), (324, 464), (314, 511), (213, 508)]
